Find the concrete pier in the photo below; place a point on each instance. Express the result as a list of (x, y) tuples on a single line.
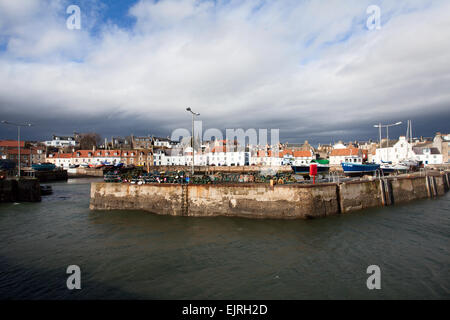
[(264, 201)]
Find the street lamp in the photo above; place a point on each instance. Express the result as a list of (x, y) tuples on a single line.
[(387, 130), (18, 125), (192, 144)]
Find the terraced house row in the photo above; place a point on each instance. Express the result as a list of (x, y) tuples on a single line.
[(80, 157)]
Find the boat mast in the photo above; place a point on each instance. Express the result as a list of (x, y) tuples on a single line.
[(407, 132), (410, 130)]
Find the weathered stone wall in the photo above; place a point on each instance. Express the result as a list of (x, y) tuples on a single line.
[(250, 200), (85, 172), (27, 190), (8, 190), (405, 189), (440, 187), (263, 201), (161, 198), (356, 195)]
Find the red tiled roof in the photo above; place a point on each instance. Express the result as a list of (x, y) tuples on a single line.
[(261, 153), (16, 151), (82, 153), (218, 149), (61, 155), (302, 153), (286, 151), (11, 143), (345, 152), (107, 153), (271, 153)]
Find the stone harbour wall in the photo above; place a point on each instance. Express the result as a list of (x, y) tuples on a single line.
[(265, 201), (23, 190), (357, 195), (262, 200)]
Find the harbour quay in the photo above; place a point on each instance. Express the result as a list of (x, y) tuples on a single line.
[(20, 190), (267, 200), (47, 175)]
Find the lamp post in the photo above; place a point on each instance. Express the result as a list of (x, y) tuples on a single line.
[(387, 130), (192, 144), (18, 125)]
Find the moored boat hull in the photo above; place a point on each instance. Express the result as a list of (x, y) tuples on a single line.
[(304, 169), (357, 169)]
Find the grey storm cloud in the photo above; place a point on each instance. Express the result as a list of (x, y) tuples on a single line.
[(310, 68)]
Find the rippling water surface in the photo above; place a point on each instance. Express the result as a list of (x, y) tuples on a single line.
[(138, 255)]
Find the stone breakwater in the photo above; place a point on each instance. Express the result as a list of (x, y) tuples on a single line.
[(26, 190), (265, 201)]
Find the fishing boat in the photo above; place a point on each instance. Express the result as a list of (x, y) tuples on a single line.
[(322, 167), (388, 167), (410, 164), (401, 167), (359, 169), (43, 167)]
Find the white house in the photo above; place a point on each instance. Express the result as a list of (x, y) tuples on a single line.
[(337, 156), (303, 157), (162, 142), (106, 156), (266, 158), (63, 160), (428, 155), (219, 157), (61, 141), (402, 150)]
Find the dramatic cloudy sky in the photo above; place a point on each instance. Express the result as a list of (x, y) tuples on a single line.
[(310, 68)]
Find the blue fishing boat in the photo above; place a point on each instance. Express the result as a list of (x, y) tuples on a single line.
[(358, 169)]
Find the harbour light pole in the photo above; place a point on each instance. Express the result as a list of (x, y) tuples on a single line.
[(387, 130), (18, 125), (192, 144)]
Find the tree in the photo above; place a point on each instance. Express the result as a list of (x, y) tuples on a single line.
[(89, 140)]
